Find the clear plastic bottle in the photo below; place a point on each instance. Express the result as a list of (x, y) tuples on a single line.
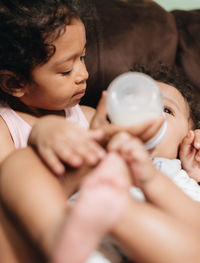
[(133, 98)]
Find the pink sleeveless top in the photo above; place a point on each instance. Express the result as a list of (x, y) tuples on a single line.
[(20, 129)]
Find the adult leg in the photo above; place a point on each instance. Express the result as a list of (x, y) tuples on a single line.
[(37, 200), (102, 199)]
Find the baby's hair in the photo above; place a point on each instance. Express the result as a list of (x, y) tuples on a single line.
[(176, 78), (28, 28)]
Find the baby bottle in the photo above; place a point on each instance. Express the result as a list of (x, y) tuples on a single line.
[(133, 98)]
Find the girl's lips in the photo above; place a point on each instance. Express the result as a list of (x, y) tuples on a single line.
[(79, 94)]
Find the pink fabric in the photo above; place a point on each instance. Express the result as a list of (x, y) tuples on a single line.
[(76, 115), (20, 129)]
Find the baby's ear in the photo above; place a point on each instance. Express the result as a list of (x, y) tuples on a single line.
[(11, 84)]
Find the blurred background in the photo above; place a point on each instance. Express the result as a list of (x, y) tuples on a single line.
[(179, 4)]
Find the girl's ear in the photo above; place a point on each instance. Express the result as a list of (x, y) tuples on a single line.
[(11, 84)]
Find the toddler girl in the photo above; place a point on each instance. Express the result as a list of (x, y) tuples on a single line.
[(42, 72)]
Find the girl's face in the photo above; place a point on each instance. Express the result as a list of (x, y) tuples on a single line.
[(176, 111), (61, 82)]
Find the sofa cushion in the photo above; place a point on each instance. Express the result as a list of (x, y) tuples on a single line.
[(122, 33), (188, 50)]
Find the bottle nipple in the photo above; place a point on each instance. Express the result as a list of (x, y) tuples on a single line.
[(133, 98)]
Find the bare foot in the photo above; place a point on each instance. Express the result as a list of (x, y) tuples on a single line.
[(101, 201)]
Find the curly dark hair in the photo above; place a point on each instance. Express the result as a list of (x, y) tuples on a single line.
[(27, 29), (176, 78)]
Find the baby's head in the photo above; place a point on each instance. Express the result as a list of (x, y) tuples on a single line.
[(181, 108), (38, 39)]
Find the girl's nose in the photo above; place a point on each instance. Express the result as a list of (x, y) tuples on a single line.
[(82, 74)]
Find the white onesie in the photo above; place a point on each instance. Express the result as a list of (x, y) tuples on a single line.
[(173, 169)]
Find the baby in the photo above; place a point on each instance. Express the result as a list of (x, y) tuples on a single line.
[(177, 155)]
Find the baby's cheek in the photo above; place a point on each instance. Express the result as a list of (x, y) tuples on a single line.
[(167, 148)]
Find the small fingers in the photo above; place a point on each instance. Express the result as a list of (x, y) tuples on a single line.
[(84, 151), (186, 147), (100, 117), (152, 130), (196, 142), (97, 135), (91, 152), (197, 157), (117, 141), (68, 156), (134, 151), (51, 159), (148, 129)]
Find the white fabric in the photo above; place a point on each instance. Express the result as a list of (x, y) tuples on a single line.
[(173, 169), (97, 257)]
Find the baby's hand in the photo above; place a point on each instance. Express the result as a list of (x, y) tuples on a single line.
[(189, 154), (133, 152), (59, 141), (144, 131)]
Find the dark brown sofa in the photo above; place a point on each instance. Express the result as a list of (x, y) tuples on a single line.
[(124, 32)]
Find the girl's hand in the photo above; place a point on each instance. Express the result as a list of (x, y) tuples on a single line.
[(189, 154), (60, 142), (144, 131)]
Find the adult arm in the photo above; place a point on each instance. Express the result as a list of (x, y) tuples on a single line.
[(150, 235)]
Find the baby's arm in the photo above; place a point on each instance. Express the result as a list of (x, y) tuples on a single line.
[(189, 154), (157, 187)]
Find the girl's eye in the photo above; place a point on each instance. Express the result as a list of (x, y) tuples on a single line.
[(168, 111), (82, 58), (66, 73)]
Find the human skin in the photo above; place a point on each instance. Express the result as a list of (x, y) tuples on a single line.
[(176, 111), (158, 182), (169, 209), (179, 124), (58, 84), (164, 227), (41, 212), (41, 193), (41, 209)]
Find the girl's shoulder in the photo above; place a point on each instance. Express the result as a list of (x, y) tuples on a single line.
[(6, 141), (16, 127)]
